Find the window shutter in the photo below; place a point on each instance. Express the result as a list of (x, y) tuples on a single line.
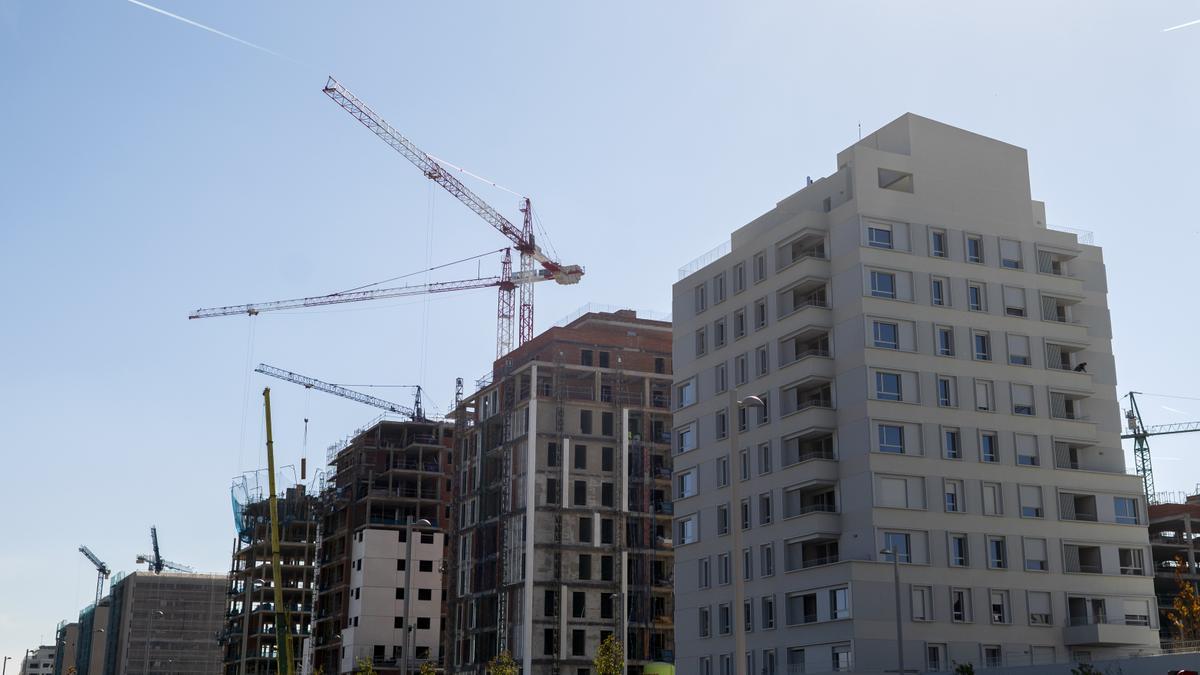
[(1018, 345), (1010, 249), (1031, 495), (1039, 602), (893, 492), (1014, 297)]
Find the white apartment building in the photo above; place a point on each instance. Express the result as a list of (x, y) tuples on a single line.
[(395, 587), (938, 379), (39, 661)]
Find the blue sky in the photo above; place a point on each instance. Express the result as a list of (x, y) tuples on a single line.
[(149, 168)]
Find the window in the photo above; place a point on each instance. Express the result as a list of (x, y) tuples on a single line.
[(992, 656), (719, 288), (989, 449), (424, 594), (739, 277), (935, 657), (701, 342), (578, 604), (900, 545), (1014, 301), (946, 394), (879, 236), (741, 373), (1132, 561), (891, 438), (1035, 555), (768, 662), (685, 439), (764, 458), (960, 605), (893, 491), (766, 560), (722, 519), (1018, 350), (922, 608), (842, 657), (760, 267), (937, 243), (883, 284), (999, 606), (1010, 254), (760, 314), (719, 333), (951, 443), (976, 298), (685, 531), (721, 378), (744, 462), (1126, 510), (744, 509), (992, 505), (974, 249), (1027, 450), (959, 554), (761, 361), (887, 335), (795, 660), (704, 621), (937, 291), (721, 423), (1022, 399), (839, 603), (585, 529), (983, 346), (887, 386), (606, 459), (703, 572), (997, 553), (685, 394), (748, 620), (581, 450), (722, 471), (724, 570), (724, 619), (954, 496), (606, 530), (685, 484), (1039, 608), (985, 399), (585, 357), (945, 340), (739, 324), (580, 494), (1031, 501), (578, 642), (899, 181), (701, 294), (1137, 613)]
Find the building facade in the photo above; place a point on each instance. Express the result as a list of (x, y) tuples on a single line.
[(248, 640), (383, 480), (39, 661), (165, 622), (937, 380), (66, 647), (561, 528), (93, 637), (1175, 542)]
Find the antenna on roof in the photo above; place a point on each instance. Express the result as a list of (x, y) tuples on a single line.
[(860, 131)]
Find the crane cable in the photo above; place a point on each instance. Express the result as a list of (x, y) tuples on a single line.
[(424, 271)]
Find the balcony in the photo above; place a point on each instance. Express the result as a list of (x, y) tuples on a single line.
[(809, 292), (1081, 456), (1066, 405), (1055, 263), (1101, 630), (1077, 507), (809, 246)]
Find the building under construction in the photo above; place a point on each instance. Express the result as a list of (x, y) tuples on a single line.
[(164, 623), (1175, 545), (248, 639), (561, 536), (383, 482)]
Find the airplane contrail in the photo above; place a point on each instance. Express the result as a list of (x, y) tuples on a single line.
[(1182, 25), (211, 30)]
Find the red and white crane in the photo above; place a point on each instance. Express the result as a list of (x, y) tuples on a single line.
[(522, 237)]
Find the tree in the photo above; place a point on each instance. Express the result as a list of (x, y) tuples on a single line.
[(427, 668), (967, 668), (365, 667), (1185, 610), (610, 657), (503, 664)]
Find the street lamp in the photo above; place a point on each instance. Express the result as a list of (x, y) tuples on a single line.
[(899, 619), (408, 572), (5, 668), (739, 585)]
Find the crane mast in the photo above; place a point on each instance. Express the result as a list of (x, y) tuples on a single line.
[(1140, 433), (522, 237)]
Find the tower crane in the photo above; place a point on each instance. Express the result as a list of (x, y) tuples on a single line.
[(416, 412), (506, 280), (522, 237), (1140, 433), (102, 570), (156, 562)]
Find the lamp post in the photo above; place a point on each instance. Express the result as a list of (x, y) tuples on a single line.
[(408, 572), (739, 585), (899, 618), (5, 668)]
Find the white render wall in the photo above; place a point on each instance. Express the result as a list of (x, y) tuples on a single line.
[(962, 185), (375, 578)]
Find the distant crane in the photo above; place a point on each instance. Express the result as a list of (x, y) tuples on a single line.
[(1140, 433), (522, 237), (102, 570), (416, 412), (158, 563)]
